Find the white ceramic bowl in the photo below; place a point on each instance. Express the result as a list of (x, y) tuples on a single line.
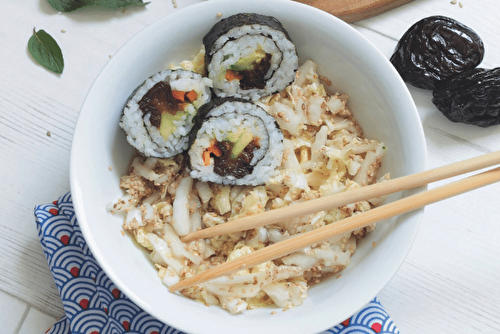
[(378, 98)]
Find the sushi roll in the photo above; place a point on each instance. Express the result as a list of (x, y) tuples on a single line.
[(235, 142), (160, 113), (249, 56)]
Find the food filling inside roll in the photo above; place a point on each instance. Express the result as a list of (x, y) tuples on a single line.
[(251, 70), (247, 62), (165, 106), (233, 155)]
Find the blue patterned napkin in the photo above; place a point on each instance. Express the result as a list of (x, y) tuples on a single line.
[(94, 305)]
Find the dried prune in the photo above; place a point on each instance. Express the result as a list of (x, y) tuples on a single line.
[(434, 49), (471, 97)]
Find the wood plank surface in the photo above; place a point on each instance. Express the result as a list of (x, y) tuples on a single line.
[(355, 10)]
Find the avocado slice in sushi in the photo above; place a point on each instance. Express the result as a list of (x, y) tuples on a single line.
[(248, 63), (240, 140), (168, 119), (167, 125)]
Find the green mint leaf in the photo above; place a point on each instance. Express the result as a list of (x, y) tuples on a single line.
[(44, 49), (71, 5), (114, 4)]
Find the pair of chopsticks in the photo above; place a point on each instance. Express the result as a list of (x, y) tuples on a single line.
[(350, 224)]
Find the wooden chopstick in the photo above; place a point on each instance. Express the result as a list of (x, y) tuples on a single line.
[(348, 197), (350, 224)]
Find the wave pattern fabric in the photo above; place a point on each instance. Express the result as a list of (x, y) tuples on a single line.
[(94, 305)]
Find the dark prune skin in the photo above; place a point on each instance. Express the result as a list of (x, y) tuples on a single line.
[(471, 97), (434, 49)]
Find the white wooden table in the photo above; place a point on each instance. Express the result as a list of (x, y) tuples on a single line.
[(450, 281)]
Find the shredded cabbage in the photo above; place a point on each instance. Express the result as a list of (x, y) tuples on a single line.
[(324, 153)]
